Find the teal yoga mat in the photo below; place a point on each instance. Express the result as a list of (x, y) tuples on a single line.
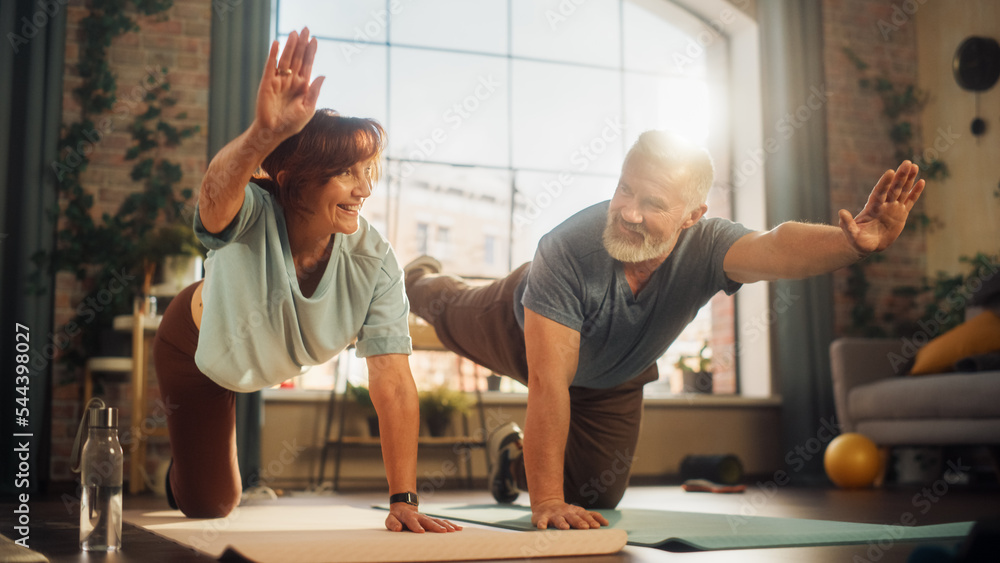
[(696, 531)]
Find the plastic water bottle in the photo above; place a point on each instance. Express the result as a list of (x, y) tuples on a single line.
[(101, 477)]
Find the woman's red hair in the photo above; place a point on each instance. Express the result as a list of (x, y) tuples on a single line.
[(326, 146)]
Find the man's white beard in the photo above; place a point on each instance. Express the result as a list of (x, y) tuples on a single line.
[(621, 248)]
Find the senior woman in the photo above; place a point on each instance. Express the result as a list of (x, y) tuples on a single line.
[(293, 276)]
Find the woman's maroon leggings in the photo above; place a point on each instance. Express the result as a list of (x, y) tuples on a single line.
[(201, 419)]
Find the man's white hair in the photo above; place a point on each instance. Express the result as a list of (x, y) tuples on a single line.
[(679, 159)]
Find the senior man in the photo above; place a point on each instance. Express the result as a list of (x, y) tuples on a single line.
[(607, 292)]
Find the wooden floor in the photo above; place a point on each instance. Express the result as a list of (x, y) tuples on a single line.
[(54, 529)]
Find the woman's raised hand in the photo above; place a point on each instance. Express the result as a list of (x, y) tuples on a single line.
[(286, 101)]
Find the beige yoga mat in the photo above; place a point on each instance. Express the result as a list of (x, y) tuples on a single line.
[(341, 534)]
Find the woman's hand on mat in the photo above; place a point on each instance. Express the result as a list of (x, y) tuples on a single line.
[(404, 516), (558, 514)]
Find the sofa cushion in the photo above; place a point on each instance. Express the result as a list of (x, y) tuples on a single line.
[(932, 432), (961, 396), (978, 335)]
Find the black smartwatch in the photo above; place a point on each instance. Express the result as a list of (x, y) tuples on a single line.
[(408, 498)]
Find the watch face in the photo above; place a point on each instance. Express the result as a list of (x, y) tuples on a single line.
[(977, 63)]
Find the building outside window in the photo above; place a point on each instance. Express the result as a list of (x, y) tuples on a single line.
[(423, 232), (489, 249), (442, 244)]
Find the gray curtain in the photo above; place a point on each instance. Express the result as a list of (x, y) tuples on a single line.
[(240, 43), (31, 66), (797, 189)]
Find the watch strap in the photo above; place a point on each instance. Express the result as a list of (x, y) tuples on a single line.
[(408, 498)]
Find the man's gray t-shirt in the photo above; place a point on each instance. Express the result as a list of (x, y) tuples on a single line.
[(574, 281)]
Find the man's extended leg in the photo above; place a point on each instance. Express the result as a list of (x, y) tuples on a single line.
[(475, 322)]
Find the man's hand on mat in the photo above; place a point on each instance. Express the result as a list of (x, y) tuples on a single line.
[(404, 516), (564, 516)]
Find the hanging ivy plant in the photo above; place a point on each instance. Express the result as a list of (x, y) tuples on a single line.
[(111, 253), (901, 105)]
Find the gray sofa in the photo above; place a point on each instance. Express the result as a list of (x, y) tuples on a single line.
[(950, 409)]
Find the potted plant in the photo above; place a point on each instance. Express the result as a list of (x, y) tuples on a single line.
[(172, 250), (438, 405), (697, 371), (362, 397)]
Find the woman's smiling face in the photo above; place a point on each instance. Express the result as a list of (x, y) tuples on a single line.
[(339, 200)]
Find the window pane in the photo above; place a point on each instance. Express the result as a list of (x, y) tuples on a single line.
[(355, 83), (545, 200), (579, 32), (682, 105), (376, 208), (448, 107), (663, 38), (452, 24), (688, 345), (449, 212), (566, 118), (357, 20)]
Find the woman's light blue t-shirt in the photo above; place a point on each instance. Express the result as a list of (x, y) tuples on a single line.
[(257, 328)]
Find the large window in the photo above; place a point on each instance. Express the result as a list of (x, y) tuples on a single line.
[(505, 117)]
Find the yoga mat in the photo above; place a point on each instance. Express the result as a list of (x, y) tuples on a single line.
[(696, 531), (13, 552), (341, 534)]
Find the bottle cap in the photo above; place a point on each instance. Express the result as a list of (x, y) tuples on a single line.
[(103, 418)]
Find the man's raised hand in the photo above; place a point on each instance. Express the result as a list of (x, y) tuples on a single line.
[(884, 216)]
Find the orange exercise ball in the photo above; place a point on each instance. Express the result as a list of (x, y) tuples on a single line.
[(852, 461)]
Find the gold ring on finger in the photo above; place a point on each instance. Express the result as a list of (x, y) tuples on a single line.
[(284, 72)]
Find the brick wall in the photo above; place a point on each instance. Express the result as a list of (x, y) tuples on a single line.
[(858, 146), (178, 39)]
